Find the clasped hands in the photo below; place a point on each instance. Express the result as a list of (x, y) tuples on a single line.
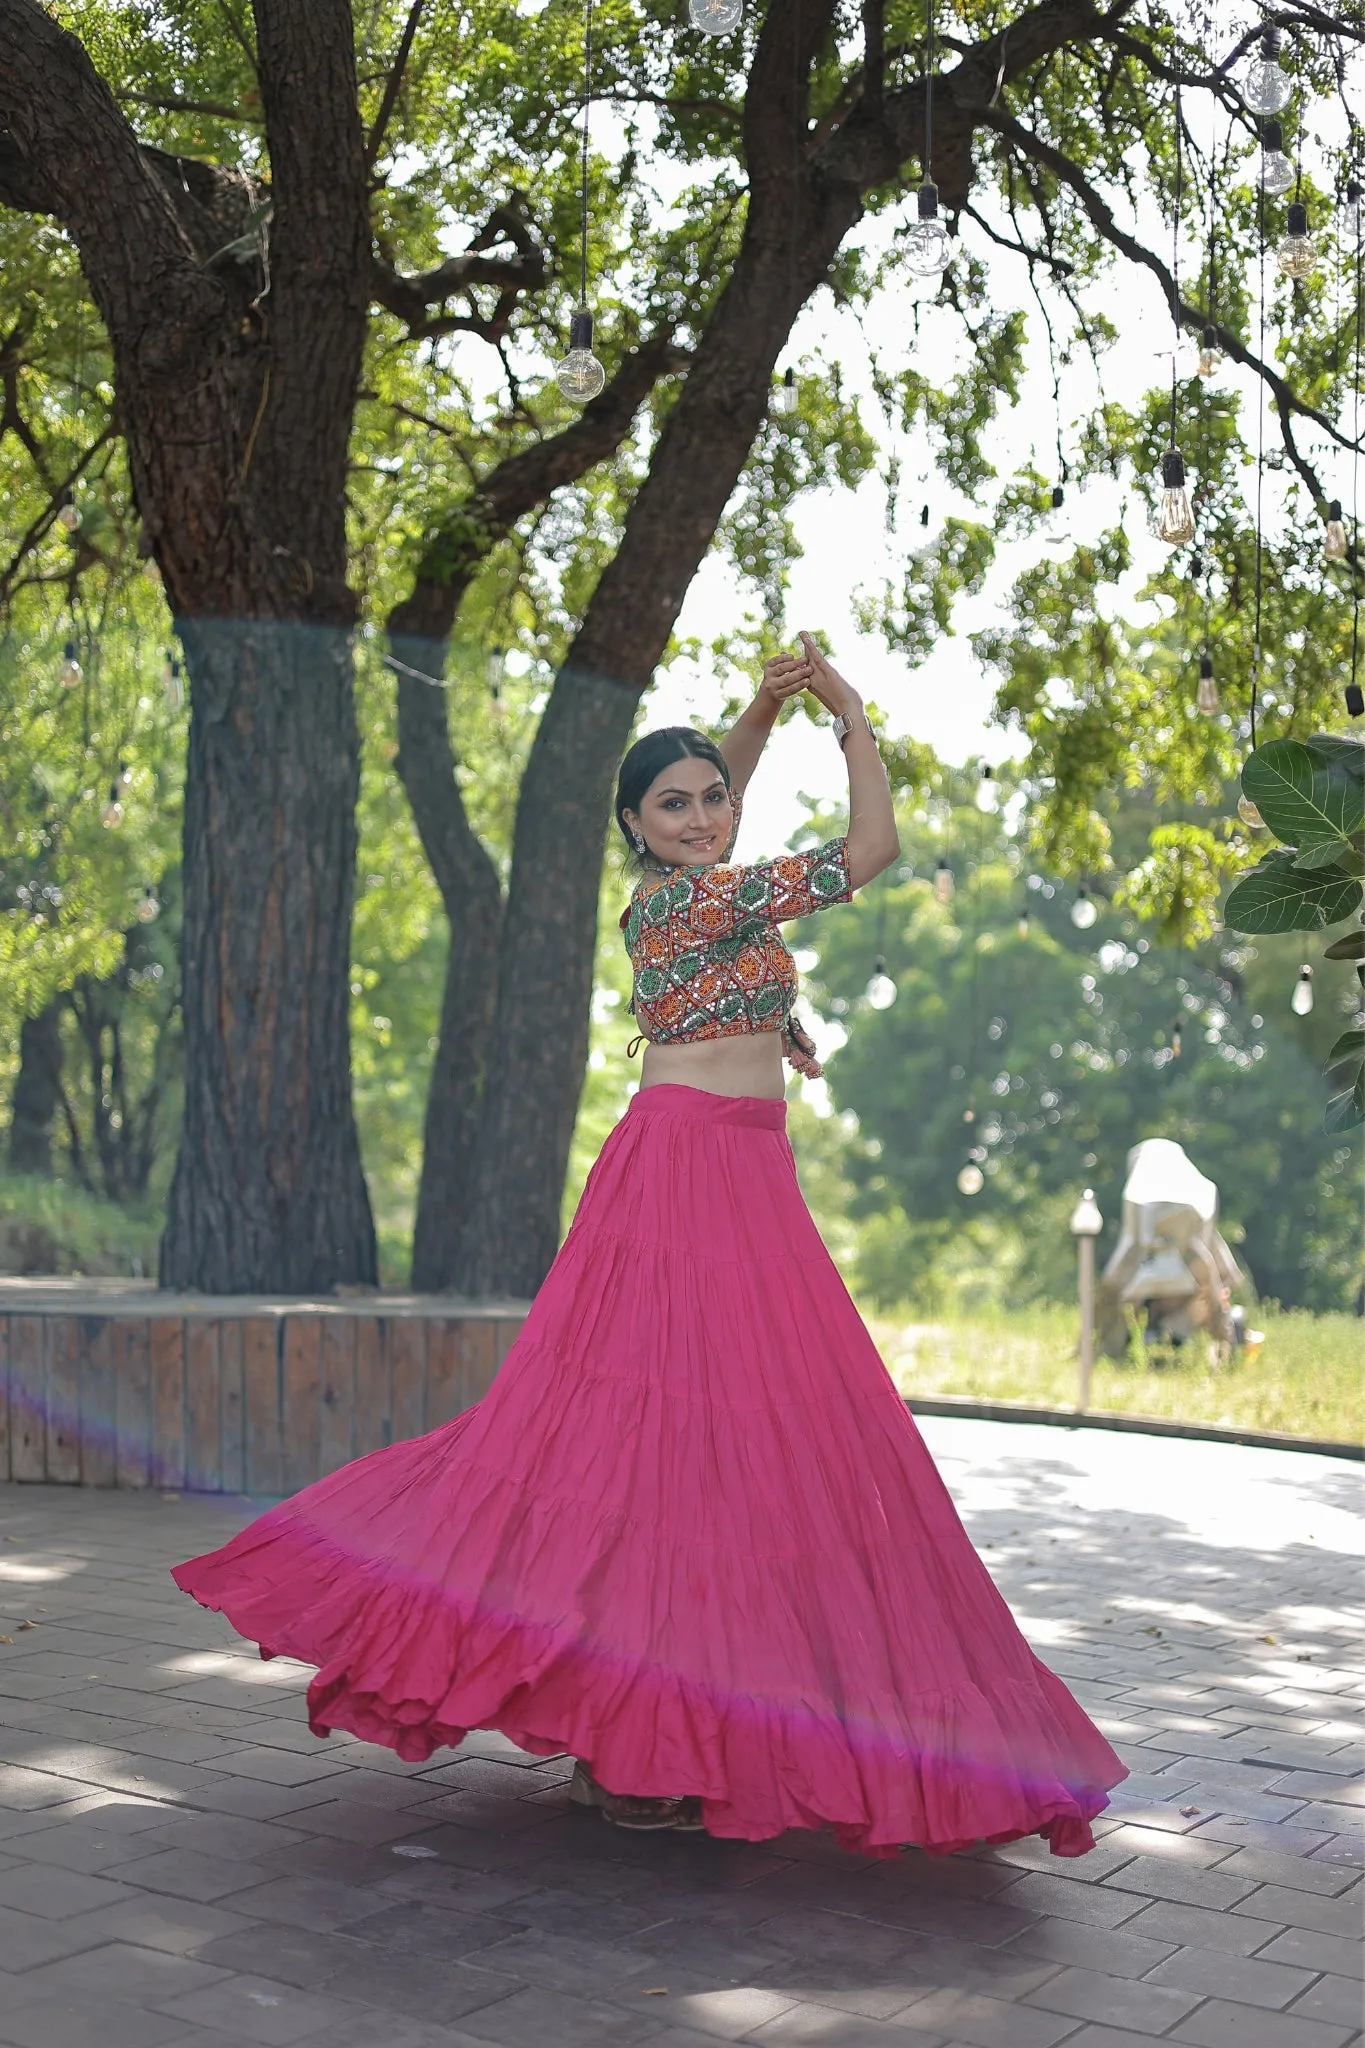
[(787, 674)]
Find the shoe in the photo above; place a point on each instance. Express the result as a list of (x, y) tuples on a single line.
[(650, 1816), (642, 1816)]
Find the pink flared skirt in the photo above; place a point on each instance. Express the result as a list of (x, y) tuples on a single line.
[(692, 1536)]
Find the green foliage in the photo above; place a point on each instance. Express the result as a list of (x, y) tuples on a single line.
[(1311, 795), (49, 1226), (1066, 1047)]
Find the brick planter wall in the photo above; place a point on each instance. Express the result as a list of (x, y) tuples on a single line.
[(115, 1384)]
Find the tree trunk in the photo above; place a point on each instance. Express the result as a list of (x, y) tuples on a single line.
[(237, 354), (471, 887), (37, 1091), (548, 937), (471, 891), (268, 1191)]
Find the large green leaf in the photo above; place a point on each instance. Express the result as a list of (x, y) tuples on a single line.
[(1349, 947), (1325, 853), (1310, 791), (1346, 1110), (1279, 897), (1351, 1044)]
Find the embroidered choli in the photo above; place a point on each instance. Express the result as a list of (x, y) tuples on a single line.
[(708, 958)]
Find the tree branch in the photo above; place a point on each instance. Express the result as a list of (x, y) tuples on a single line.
[(523, 269), (1058, 265), (65, 149), (393, 85), (868, 152), (46, 519), (217, 110), (454, 551), (1102, 219)]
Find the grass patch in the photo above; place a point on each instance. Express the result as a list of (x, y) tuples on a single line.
[(1307, 1379), (49, 1226)]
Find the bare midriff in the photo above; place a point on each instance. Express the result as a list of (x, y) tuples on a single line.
[(750, 1064)]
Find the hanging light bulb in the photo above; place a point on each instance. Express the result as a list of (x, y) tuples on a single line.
[(987, 792), (928, 249), (1355, 700), (1275, 173), (112, 812), (1297, 253), (1265, 87), (1056, 527), (1084, 911), (1249, 815), (1177, 1040), (1176, 520), (1334, 540), (147, 905), (881, 989), (716, 17), (1206, 699), (70, 515), (1301, 1002), (784, 397), (1022, 926), (580, 376), (1353, 209), (70, 672), (971, 1179), (1210, 355), (944, 885)]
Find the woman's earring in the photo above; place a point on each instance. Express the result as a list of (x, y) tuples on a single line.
[(639, 839)]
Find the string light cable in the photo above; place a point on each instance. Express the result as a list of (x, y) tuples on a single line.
[(928, 250), (579, 375), (1175, 518)]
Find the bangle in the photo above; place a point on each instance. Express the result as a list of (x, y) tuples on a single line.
[(843, 726)]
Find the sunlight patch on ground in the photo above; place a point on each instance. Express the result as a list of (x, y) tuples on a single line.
[(1226, 1496), (16, 1574), (245, 1670)]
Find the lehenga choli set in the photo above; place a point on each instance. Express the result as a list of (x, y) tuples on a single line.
[(692, 1535)]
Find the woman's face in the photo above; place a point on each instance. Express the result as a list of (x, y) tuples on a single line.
[(685, 814)]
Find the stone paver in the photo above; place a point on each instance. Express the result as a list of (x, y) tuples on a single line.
[(181, 1863)]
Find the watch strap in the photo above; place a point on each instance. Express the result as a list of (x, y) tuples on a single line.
[(843, 726)]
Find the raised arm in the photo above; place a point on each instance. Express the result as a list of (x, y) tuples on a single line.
[(783, 677), (873, 841)]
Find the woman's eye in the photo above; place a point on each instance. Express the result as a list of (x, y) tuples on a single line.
[(718, 796)]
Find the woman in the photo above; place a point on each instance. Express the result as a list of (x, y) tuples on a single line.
[(692, 1535)]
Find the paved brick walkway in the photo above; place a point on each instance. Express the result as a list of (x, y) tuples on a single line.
[(181, 1863)]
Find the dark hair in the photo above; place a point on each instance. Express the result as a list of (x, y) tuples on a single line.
[(646, 761)]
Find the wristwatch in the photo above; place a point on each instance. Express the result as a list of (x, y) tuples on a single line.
[(843, 726)]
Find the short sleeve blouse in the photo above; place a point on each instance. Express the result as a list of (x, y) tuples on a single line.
[(708, 958)]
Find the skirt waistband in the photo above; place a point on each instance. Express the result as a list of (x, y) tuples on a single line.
[(671, 1098)]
